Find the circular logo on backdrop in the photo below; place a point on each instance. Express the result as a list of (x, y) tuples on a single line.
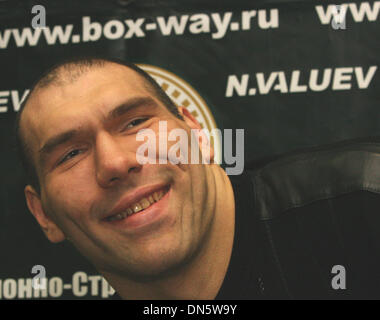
[(186, 96)]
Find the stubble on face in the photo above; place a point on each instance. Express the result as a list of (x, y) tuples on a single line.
[(75, 198)]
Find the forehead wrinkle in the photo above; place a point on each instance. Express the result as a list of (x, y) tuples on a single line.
[(61, 77), (27, 124)]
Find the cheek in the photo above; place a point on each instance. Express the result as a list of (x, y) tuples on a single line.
[(70, 193)]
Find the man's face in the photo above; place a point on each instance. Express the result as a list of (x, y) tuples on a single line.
[(92, 174)]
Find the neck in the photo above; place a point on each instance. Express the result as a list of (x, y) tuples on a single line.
[(203, 275)]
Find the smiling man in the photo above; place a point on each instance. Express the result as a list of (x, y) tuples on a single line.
[(301, 225), (154, 231)]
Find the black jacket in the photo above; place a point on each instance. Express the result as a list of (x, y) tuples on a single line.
[(319, 222)]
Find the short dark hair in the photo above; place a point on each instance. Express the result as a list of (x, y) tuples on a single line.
[(76, 67)]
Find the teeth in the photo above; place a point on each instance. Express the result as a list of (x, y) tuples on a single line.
[(145, 203), (141, 205), (155, 196), (137, 208), (117, 217)]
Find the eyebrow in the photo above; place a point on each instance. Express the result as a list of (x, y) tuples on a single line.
[(61, 138)]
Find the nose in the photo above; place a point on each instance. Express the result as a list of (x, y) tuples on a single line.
[(113, 161)]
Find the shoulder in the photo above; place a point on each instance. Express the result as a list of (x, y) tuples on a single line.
[(318, 209), (302, 177)]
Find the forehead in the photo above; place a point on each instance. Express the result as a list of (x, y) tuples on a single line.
[(90, 96), (101, 83)]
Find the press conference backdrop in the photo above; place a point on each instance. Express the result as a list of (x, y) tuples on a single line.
[(292, 74)]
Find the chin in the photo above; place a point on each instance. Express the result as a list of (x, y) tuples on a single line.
[(157, 265)]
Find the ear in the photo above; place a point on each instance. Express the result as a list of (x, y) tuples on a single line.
[(51, 230), (205, 146)]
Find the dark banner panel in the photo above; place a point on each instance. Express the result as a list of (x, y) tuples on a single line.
[(292, 74)]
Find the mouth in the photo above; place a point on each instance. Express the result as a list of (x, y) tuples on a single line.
[(139, 206)]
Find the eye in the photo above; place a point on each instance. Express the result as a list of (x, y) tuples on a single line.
[(69, 155), (134, 123)]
